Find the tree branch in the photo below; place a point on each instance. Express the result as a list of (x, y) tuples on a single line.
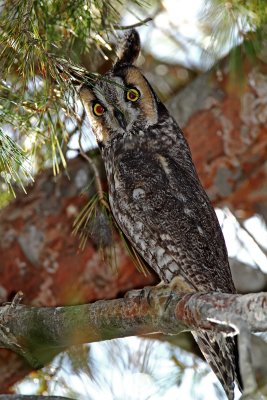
[(30, 397), (35, 332), (140, 23)]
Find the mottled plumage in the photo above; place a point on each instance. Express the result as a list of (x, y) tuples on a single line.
[(155, 194)]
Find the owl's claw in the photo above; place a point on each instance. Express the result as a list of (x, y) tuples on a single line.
[(141, 294), (168, 301), (147, 294)]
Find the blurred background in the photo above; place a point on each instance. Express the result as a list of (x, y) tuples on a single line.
[(206, 59)]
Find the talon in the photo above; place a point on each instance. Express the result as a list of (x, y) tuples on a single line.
[(168, 301), (141, 295), (145, 293), (149, 298)]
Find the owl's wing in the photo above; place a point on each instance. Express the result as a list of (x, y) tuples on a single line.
[(165, 213), (162, 208)]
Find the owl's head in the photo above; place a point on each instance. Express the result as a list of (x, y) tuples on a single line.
[(121, 102)]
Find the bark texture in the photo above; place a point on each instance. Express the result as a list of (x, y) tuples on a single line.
[(36, 332), (226, 125), (40, 256)]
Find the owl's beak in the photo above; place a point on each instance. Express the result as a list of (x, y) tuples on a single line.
[(120, 118)]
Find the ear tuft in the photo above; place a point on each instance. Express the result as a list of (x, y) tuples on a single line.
[(129, 49)]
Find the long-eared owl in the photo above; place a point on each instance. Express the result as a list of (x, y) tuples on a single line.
[(155, 193)]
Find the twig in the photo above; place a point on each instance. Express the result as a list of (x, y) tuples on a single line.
[(120, 27)]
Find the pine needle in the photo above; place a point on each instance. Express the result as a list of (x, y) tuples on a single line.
[(94, 221), (237, 25), (87, 225), (136, 258), (14, 164)]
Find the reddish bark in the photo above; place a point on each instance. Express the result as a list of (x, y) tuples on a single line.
[(41, 256), (226, 126)]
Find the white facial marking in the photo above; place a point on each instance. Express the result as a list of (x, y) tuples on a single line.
[(111, 94)]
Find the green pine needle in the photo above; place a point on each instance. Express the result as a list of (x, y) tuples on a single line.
[(14, 164), (95, 221), (229, 24), (36, 95), (136, 258), (86, 225)]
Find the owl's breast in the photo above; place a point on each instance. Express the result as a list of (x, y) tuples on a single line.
[(132, 179), (163, 210)]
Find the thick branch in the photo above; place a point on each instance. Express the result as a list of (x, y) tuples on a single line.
[(34, 331)]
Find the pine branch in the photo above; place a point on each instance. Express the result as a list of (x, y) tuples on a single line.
[(35, 332), (36, 99), (233, 22), (13, 161)]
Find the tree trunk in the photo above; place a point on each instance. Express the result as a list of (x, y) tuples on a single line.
[(225, 123)]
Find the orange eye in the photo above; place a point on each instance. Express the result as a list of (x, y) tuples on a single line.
[(98, 109), (132, 94)]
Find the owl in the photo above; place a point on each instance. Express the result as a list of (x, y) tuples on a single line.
[(156, 196)]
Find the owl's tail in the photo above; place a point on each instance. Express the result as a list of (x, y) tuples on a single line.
[(222, 355)]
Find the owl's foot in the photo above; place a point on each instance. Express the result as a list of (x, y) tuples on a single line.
[(148, 293)]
